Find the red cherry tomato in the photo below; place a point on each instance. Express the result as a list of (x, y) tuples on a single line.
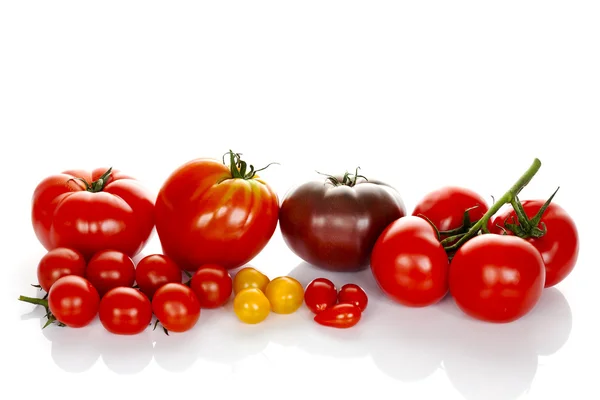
[(409, 264), (176, 307), (340, 316), (154, 271), (497, 278), (353, 294), (73, 301), (320, 294), (57, 263), (559, 247), (212, 284), (125, 311), (109, 269)]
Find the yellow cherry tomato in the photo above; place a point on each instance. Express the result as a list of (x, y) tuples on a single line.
[(249, 278), (285, 294), (251, 306)]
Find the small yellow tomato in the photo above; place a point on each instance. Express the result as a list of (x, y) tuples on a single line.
[(285, 294), (249, 278), (251, 306)]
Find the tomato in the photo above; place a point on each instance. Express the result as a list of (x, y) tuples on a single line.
[(559, 247), (353, 294), (154, 271), (497, 278), (249, 277), (251, 306), (212, 285), (73, 301), (211, 213), (409, 264), (176, 307), (320, 294), (125, 311), (285, 294), (333, 224), (57, 263), (109, 269), (340, 316), (446, 206), (109, 210)]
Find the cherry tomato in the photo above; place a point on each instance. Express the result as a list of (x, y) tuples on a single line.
[(57, 263), (154, 271), (109, 269), (497, 278), (559, 247), (212, 285), (251, 306), (73, 301), (176, 307), (320, 294), (125, 311), (353, 294), (409, 264), (285, 294), (249, 278), (340, 316), (446, 206)]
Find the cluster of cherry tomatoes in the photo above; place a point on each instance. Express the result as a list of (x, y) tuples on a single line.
[(339, 309)]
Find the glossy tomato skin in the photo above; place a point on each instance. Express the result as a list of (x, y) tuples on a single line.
[(353, 294), (249, 277), (409, 264), (341, 316), (73, 301), (497, 278), (559, 247), (335, 227), (109, 269), (320, 294), (120, 217), (57, 263), (154, 271), (176, 307), (125, 311), (213, 285), (251, 306), (446, 206), (285, 294), (204, 216)]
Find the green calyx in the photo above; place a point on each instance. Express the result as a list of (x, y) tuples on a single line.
[(240, 168), (348, 179), (97, 185)]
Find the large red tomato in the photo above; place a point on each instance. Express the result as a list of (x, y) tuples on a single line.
[(208, 212), (89, 212)]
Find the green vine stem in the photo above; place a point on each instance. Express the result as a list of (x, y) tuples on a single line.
[(97, 185), (44, 303)]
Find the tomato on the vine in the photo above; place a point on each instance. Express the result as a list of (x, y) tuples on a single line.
[(340, 316), (109, 269), (125, 311), (249, 277), (497, 278), (176, 307), (320, 294), (89, 212), (154, 271), (409, 264), (57, 263), (251, 306), (73, 301), (285, 294), (212, 285), (353, 294)]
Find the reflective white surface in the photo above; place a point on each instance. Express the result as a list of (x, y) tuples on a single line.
[(418, 94)]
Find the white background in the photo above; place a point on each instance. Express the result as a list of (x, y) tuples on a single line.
[(420, 94)]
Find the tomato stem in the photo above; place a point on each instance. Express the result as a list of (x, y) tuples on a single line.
[(97, 185), (34, 300), (348, 179), (239, 167)]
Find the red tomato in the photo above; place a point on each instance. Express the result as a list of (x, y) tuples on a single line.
[(212, 284), (559, 247), (353, 294), (446, 207), (207, 213), (106, 212), (125, 311), (109, 269), (57, 263), (339, 316), (176, 307), (497, 278), (73, 301), (154, 271), (409, 264), (320, 294)]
